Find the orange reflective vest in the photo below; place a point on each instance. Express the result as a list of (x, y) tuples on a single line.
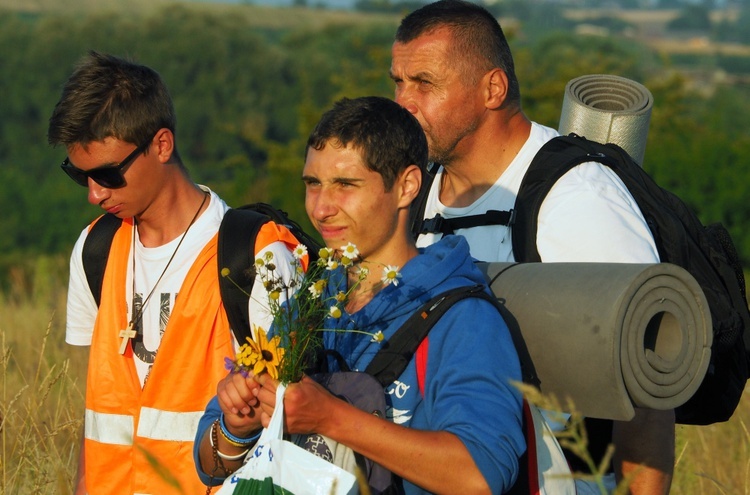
[(140, 440)]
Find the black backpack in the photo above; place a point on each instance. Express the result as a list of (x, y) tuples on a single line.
[(238, 230), (707, 252), (237, 233)]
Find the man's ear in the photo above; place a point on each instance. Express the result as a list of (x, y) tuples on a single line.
[(165, 140), (410, 181), (496, 83)]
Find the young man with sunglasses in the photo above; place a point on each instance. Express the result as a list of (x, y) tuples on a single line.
[(117, 123)]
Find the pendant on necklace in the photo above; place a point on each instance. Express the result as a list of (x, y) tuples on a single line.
[(126, 335)]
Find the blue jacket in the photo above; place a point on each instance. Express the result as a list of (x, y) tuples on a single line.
[(471, 361)]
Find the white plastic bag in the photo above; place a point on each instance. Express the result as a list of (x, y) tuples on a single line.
[(278, 466)]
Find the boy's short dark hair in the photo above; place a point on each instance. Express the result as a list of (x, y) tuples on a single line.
[(107, 96), (387, 135)]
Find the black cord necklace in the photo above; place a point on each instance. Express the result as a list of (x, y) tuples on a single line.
[(137, 309)]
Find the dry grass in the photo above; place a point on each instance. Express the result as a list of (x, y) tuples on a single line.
[(715, 459), (41, 400), (710, 460)]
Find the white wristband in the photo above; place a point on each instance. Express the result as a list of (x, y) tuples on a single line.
[(221, 454)]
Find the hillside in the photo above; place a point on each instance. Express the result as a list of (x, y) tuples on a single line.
[(256, 15), (651, 27), (248, 82)]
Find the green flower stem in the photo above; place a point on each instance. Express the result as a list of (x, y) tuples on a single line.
[(341, 330), (298, 322)]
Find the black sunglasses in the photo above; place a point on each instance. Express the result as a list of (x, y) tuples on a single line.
[(110, 177)]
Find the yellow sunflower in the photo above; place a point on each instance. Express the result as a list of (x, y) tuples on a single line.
[(267, 353)]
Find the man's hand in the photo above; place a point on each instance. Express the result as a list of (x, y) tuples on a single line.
[(306, 404), (237, 399)]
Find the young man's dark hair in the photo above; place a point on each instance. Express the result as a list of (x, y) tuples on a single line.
[(389, 137), (107, 96)]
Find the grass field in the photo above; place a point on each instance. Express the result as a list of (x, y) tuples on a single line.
[(43, 398), (715, 459)]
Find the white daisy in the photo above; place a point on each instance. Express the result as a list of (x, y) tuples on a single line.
[(390, 275), (300, 251), (350, 251)]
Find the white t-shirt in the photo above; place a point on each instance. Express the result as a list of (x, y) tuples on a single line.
[(588, 215), (149, 265)]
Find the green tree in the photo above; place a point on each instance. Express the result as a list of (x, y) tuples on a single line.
[(692, 18), (247, 94)]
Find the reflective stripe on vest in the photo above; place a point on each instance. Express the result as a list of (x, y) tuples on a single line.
[(117, 429), (167, 425)]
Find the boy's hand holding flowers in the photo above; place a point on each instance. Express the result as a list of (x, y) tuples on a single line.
[(247, 396), (237, 395)]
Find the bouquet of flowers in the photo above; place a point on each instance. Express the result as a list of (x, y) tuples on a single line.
[(299, 316)]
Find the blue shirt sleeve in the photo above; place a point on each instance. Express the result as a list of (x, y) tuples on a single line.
[(469, 390), (211, 414)]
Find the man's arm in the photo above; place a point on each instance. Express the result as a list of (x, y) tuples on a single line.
[(429, 459), (236, 400), (645, 451), (81, 310)]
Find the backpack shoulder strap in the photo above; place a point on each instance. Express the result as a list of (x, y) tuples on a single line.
[(395, 354), (236, 252), (236, 245), (557, 157), (96, 252), (416, 211)]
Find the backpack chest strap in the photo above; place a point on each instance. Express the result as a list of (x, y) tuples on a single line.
[(447, 226)]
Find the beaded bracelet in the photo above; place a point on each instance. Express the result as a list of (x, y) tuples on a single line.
[(233, 440), (213, 439), (219, 452)]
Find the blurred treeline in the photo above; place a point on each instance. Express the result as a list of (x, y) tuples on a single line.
[(250, 82)]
